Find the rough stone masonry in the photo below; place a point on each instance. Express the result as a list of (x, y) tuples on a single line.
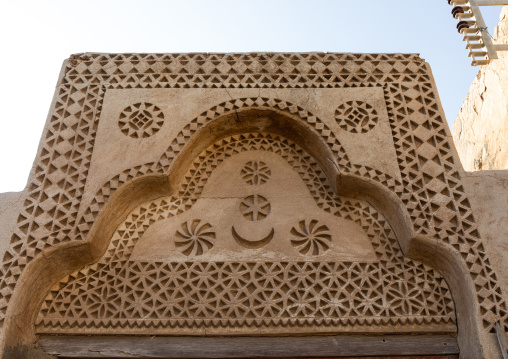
[(480, 131)]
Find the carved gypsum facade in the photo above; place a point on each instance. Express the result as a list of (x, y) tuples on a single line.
[(179, 105), (216, 292)]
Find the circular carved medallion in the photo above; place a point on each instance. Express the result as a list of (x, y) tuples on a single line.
[(255, 172), (141, 120), (255, 207), (194, 238), (311, 238), (356, 116)]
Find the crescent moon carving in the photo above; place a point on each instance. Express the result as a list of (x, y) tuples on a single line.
[(252, 244)]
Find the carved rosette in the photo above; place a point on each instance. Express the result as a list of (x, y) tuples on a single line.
[(356, 116), (256, 172), (255, 207), (311, 238), (194, 238), (141, 120)]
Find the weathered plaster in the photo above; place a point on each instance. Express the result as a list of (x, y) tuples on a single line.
[(284, 193)]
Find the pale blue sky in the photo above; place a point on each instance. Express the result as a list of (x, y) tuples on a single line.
[(37, 36)]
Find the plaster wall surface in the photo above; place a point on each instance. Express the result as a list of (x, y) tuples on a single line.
[(480, 131), (489, 199), (10, 204)]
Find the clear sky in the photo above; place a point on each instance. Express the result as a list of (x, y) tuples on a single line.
[(36, 36)]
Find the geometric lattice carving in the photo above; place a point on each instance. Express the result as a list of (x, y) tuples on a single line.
[(356, 116), (179, 297), (405, 297), (236, 295), (141, 120)]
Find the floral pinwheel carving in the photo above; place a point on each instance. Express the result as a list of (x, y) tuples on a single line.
[(311, 238), (194, 238)]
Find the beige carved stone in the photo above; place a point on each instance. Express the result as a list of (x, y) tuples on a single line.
[(249, 195)]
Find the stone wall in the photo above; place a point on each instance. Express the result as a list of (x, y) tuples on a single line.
[(480, 131)]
